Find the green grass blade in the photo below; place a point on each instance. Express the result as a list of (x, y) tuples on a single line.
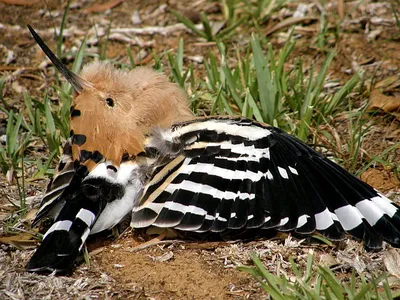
[(332, 282), (225, 33), (207, 27), (104, 47), (255, 109), (77, 65), (266, 91), (62, 26), (339, 96), (189, 24), (130, 56)]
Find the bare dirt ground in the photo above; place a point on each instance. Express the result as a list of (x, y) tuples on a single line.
[(368, 39)]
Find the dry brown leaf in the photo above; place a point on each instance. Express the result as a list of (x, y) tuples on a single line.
[(20, 241), (104, 6), (381, 101), (391, 259), (20, 2)]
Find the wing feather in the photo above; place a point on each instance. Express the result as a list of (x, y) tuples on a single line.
[(64, 177), (241, 175)]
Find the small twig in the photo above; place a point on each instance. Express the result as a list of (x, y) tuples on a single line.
[(131, 41), (287, 23), (96, 251), (31, 232), (21, 2), (341, 9), (154, 242), (102, 7), (8, 199), (13, 68), (154, 29)]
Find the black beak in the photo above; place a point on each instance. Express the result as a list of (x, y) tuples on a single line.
[(77, 83)]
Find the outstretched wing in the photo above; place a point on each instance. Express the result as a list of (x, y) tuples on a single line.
[(238, 174)]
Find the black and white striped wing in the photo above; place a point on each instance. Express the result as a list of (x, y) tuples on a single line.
[(52, 201), (96, 202), (238, 174)]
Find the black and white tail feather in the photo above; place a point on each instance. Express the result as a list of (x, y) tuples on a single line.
[(81, 203), (217, 175)]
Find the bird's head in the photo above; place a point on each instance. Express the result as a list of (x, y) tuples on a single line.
[(114, 109)]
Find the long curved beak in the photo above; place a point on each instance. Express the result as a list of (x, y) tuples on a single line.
[(77, 82)]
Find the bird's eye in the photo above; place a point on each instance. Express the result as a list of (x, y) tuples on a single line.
[(110, 102)]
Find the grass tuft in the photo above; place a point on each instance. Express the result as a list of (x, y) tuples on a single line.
[(318, 282)]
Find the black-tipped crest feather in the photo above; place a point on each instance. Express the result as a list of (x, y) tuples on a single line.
[(72, 78)]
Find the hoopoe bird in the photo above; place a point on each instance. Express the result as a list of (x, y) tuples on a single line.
[(136, 148)]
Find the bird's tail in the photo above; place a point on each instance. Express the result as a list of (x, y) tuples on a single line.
[(65, 238)]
